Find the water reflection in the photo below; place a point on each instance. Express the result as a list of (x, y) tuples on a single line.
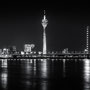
[(4, 73), (86, 74), (4, 80), (4, 63), (63, 67), (44, 85), (44, 68), (44, 74), (34, 67)]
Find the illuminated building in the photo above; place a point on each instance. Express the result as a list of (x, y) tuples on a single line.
[(87, 39), (0, 51), (12, 50), (22, 53), (5, 51), (65, 51), (44, 24), (28, 48)]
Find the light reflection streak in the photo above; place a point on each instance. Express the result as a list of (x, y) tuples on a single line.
[(44, 85), (34, 68), (64, 67), (27, 72), (4, 63), (4, 79), (28, 67), (86, 74), (4, 73), (44, 68)]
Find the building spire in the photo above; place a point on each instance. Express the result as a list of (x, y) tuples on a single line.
[(44, 15), (44, 12)]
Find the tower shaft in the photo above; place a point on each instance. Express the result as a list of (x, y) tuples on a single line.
[(44, 42)]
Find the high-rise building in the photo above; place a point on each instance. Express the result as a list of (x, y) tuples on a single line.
[(87, 39), (12, 50), (28, 48), (5, 51), (44, 24)]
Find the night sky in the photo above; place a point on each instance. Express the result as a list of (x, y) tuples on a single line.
[(20, 23)]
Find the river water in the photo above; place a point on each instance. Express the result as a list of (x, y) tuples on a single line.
[(45, 74)]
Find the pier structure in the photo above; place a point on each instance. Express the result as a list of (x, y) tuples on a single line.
[(50, 56)]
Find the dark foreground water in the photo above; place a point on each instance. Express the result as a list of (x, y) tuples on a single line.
[(44, 74)]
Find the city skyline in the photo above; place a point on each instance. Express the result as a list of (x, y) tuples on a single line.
[(66, 29)]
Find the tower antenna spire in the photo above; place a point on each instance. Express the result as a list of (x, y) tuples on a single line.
[(44, 12), (44, 17)]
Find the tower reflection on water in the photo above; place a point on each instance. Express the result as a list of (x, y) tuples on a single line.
[(4, 73), (44, 74), (87, 74), (34, 72), (44, 68)]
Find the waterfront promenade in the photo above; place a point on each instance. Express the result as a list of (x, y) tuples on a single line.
[(51, 56)]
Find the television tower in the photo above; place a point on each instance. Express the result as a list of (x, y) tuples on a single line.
[(44, 24)]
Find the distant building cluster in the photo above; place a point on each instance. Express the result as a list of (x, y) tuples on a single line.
[(9, 50), (28, 49), (12, 50)]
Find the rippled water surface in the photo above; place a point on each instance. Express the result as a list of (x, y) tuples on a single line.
[(45, 74)]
